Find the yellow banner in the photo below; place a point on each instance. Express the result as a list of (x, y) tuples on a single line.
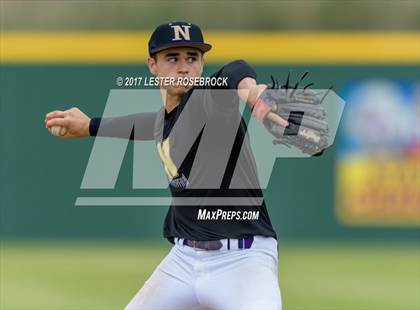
[(255, 47), (384, 192)]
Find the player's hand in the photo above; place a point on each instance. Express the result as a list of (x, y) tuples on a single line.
[(75, 122), (249, 91), (277, 119)]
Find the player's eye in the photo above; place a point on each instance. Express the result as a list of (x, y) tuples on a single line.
[(191, 59), (172, 59)]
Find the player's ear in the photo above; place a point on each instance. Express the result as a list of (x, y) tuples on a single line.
[(202, 63), (151, 63)]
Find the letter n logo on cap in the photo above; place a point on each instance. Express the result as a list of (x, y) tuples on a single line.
[(178, 32)]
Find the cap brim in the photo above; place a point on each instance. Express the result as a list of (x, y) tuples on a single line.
[(204, 47)]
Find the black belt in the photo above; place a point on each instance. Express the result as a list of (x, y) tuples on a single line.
[(213, 245)]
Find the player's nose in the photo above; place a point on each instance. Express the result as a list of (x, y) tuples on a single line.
[(183, 67)]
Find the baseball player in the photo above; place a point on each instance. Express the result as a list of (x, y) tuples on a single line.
[(217, 262)]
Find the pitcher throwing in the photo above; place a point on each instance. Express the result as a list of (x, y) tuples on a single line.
[(225, 255)]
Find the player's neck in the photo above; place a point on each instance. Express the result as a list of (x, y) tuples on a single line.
[(171, 102)]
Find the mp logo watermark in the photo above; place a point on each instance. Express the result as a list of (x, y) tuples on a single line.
[(210, 142)]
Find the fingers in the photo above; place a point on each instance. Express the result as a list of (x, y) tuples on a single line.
[(277, 119), (67, 136), (57, 122), (55, 114)]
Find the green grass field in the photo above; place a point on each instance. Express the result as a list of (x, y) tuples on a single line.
[(99, 275)]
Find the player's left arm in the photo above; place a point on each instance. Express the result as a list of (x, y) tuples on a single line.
[(242, 77), (249, 92)]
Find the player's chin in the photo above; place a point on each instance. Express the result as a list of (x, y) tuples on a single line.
[(178, 90)]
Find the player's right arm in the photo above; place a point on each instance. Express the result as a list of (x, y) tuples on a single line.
[(138, 126)]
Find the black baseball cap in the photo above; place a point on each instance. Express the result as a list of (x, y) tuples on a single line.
[(177, 34)]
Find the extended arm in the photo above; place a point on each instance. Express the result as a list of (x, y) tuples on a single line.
[(138, 126)]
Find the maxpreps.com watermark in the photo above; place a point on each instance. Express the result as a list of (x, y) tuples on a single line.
[(131, 81), (220, 214)]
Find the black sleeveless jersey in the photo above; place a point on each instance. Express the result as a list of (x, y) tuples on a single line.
[(212, 177)]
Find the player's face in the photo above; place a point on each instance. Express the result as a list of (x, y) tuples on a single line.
[(177, 62)]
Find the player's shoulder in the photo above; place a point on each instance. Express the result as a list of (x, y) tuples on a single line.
[(235, 71), (236, 64)]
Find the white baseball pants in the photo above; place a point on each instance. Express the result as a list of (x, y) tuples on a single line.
[(234, 279)]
